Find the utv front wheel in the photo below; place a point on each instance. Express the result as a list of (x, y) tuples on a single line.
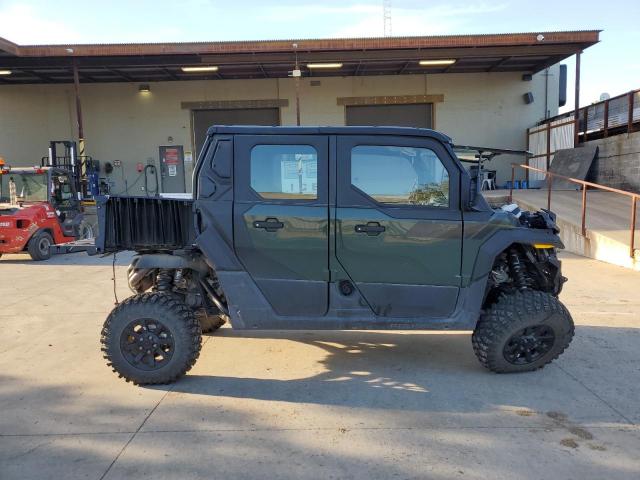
[(522, 332), (151, 338)]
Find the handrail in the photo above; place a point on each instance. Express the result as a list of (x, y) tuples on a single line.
[(606, 102), (549, 176)]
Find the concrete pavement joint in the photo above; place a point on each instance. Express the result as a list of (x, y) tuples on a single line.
[(133, 436), (628, 428), (106, 472), (629, 421)]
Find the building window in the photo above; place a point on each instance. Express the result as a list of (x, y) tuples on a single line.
[(285, 171), (400, 175)]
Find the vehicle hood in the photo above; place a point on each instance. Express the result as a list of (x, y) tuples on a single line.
[(24, 210)]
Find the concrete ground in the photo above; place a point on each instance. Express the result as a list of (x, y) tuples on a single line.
[(369, 405)]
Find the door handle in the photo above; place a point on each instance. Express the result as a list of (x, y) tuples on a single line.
[(371, 228), (270, 224)]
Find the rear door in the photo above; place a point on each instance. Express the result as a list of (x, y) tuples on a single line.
[(399, 225), (281, 219)]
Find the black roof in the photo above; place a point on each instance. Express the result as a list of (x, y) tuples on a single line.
[(262, 130)]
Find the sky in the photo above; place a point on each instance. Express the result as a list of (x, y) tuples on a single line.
[(612, 66)]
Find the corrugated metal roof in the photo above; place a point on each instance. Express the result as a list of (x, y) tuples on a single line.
[(436, 41), (144, 62)]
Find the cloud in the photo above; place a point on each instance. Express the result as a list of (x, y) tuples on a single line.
[(21, 24)]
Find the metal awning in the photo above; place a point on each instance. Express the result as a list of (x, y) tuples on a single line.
[(519, 52)]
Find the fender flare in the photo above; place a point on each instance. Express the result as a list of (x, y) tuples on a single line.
[(501, 240)]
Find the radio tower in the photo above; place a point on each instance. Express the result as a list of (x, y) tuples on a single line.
[(386, 13)]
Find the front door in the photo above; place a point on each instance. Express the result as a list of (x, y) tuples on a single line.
[(172, 169), (399, 225), (281, 219)]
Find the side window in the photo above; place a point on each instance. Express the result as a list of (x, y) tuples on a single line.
[(285, 171), (400, 175), (62, 190)]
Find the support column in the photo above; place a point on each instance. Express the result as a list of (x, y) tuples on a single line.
[(576, 111), (296, 79), (76, 86)]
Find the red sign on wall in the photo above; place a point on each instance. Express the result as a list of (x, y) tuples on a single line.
[(171, 156)]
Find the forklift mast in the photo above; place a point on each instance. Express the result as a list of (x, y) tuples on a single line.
[(84, 170)]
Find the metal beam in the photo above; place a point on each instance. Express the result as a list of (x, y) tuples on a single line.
[(404, 67), (42, 77), (76, 89), (120, 74), (576, 111), (170, 74), (499, 63), (304, 57), (546, 64)]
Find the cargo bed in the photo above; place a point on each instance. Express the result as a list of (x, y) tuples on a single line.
[(144, 223)]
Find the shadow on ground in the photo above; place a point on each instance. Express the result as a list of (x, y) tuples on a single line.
[(122, 259)]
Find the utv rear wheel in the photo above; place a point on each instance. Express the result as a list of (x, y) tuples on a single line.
[(39, 246), (522, 332), (151, 338)]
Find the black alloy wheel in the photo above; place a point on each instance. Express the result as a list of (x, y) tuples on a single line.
[(147, 344), (529, 344)]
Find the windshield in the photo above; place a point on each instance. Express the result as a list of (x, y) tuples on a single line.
[(27, 187)]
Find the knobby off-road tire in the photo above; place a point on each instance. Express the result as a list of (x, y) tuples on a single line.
[(527, 321), (39, 247), (164, 327)]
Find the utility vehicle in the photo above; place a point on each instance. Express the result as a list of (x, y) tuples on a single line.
[(331, 228)]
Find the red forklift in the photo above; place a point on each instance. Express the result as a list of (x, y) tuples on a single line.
[(43, 206)]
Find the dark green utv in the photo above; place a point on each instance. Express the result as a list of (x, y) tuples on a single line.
[(331, 228)]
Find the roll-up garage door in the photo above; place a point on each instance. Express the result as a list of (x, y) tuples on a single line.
[(410, 115), (203, 119)]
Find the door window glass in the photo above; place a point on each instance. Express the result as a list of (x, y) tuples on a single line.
[(400, 175), (285, 171), (62, 191)]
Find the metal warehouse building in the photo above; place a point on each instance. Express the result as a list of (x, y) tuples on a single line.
[(139, 104)]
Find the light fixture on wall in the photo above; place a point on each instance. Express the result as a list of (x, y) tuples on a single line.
[(209, 68), (324, 65), (5, 72), (144, 88), (437, 63)]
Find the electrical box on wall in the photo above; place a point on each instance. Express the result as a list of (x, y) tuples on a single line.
[(562, 87)]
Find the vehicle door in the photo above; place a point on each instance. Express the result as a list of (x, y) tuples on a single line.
[(281, 218), (399, 224)]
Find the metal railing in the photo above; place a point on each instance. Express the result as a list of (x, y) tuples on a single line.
[(617, 113), (549, 176)]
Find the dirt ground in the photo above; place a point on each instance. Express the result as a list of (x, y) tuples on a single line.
[(370, 405)]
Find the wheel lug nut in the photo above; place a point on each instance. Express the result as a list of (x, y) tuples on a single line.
[(148, 351)]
